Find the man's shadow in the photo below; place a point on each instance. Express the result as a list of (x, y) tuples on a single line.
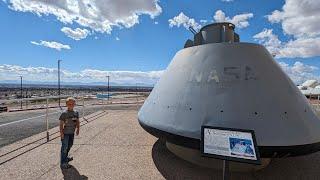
[(72, 174)]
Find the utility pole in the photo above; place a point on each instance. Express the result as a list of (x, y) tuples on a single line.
[(108, 88), (21, 92), (26, 97), (59, 81), (137, 92)]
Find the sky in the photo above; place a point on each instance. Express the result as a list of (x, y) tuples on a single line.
[(133, 41)]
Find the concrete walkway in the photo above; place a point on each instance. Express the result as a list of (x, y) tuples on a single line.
[(112, 145)]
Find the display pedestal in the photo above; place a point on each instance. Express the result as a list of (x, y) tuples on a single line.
[(195, 157)]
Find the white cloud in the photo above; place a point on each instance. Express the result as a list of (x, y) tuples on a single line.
[(44, 74), (275, 17), (300, 20), (76, 34), (185, 21), (299, 72), (203, 21), (298, 17), (51, 44), (156, 22), (98, 15), (227, 0), (240, 20), (117, 38), (269, 40), (302, 47)]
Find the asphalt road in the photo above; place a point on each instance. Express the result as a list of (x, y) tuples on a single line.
[(15, 126)]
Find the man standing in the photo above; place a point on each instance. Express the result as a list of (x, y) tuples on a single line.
[(69, 122)]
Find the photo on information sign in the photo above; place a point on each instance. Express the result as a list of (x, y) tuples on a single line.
[(241, 147)]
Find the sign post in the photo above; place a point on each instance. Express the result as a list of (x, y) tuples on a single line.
[(226, 175), (229, 144)]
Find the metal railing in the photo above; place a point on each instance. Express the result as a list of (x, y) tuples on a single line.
[(44, 104), (40, 115), (28, 146), (87, 103)]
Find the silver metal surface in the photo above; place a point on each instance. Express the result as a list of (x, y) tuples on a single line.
[(234, 85)]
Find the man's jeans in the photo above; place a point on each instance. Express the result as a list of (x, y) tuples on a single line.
[(67, 143)]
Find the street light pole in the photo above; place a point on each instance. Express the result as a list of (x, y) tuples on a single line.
[(108, 88), (21, 92), (59, 81), (26, 97), (137, 92)]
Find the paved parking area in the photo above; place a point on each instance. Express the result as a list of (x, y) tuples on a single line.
[(112, 145)]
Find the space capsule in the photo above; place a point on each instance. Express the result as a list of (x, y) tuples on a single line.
[(216, 80)]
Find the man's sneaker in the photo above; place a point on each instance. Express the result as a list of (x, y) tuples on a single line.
[(65, 166), (69, 159)]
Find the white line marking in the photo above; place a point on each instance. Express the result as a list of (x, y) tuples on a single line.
[(21, 120)]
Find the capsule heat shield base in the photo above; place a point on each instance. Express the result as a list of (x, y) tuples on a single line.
[(232, 85), (194, 156)]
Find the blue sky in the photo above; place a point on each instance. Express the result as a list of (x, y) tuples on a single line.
[(133, 50)]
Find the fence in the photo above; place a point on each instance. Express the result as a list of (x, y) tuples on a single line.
[(34, 115), (24, 115)]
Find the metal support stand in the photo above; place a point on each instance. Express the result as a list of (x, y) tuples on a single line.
[(26, 97), (47, 122), (83, 109), (59, 93), (108, 89), (21, 96), (226, 175), (137, 98)]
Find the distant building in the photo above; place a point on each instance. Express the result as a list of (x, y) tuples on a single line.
[(310, 88)]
